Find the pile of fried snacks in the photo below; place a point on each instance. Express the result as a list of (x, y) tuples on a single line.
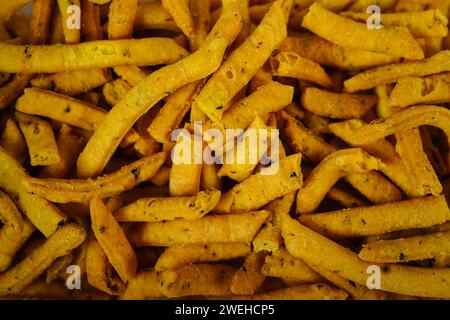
[(348, 195)]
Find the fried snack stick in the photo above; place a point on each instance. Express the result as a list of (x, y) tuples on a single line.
[(201, 17), (247, 24), (286, 179), (58, 267), (356, 134), (422, 24), (282, 264), (393, 166), (337, 105), (122, 15), (372, 185), (78, 190), (345, 198), (292, 65), (152, 15), (396, 167), (171, 114), (69, 146), (121, 18), (210, 179), (179, 256), (391, 73), (430, 246), (115, 90), (338, 164), (9, 246), (46, 217), (269, 237), (249, 278), (243, 63), (224, 228), (179, 9), (329, 54), (151, 90), (302, 292), (185, 174), (113, 241), (40, 140), (419, 169), (58, 244), (240, 169), (11, 90), (90, 21), (130, 74), (379, 219), (169, 208), (67, 110), (262, 77), (41, 12), (71, 35), (96, 54), (73, 83), (145, 285), (355, 290), (316, 250), (397, 42), (271, 97), (13, 142), (414, 90), (317, 124), (99, 271), (12, 230), (197, 280)]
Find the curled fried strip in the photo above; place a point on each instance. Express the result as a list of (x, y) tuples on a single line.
[(335, 166), (99, 271), (152, 89), (316, 250), (430, 246), (178, 256), (77, 190), (249, 277), (438, 63), (197, 280), (395, 41), (291, 64), (364, 221), (224, 228), (169, 208), (372, 185), (110, 53), (57, 245), (243, 63), (355, 133), (113, 241), (44, 215), (283, 265)]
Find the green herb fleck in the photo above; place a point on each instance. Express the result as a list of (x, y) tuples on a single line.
[(135, 173)]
